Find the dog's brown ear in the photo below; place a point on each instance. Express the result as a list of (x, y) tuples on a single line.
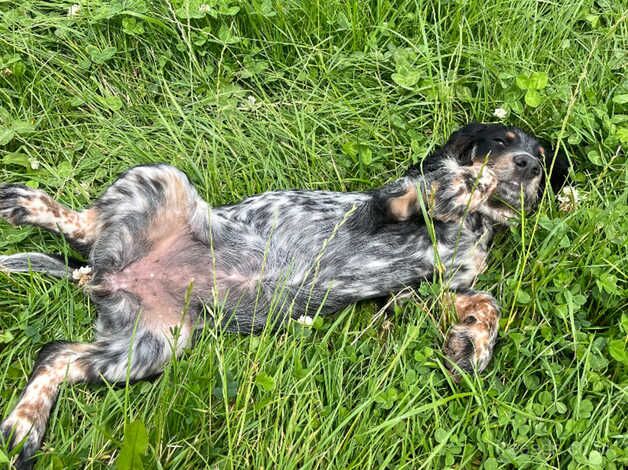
[(459, 146)]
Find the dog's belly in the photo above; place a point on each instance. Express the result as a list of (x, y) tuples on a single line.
[(157, 274), (179, 275), (175, 269)]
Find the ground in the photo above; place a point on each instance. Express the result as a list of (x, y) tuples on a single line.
[(251, 96)]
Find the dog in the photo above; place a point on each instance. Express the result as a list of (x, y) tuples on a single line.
[(164, 263)]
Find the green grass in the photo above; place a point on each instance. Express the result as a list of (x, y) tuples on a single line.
[(331, 95)]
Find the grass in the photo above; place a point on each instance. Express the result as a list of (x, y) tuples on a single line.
[(252, 96)]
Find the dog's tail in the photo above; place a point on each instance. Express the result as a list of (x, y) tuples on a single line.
[(54, 265)]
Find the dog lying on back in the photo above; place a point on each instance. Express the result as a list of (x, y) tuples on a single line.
[(163, 263)]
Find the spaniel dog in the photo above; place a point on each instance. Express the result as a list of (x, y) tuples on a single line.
[(162, 263)]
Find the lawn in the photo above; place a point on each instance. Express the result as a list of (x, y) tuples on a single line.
[(251, 96)]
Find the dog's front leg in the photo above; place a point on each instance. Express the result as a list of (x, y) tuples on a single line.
[(458, 190), (446, 194), (469, 344)]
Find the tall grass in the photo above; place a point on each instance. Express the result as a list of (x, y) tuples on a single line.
[(331, 95)]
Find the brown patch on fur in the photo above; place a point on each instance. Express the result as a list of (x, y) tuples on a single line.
[(28, 411), (174, 213), (480, 305), (90, 224), (47, 213), (511, 136), (82, 226), (460, 198), (50, 205), (403, 207), (444, 216), (469, 344)]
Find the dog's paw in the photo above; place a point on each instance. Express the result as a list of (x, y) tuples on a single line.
[(468, 347), (23, 435), (487, 181), (460, 191), (481, 183), (469, 344), (17, 203)]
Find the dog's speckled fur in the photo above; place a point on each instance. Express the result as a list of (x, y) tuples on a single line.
[(165, 263)]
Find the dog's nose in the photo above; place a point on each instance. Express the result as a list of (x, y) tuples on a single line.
[(527, 165)]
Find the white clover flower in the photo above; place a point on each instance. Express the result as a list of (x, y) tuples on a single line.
[(34, 163), (568, 199), (500, 113), (74, 10), (204, 8), (250, 104), (305, 320)]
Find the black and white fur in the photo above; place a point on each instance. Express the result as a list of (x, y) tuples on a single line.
[(165, 263)]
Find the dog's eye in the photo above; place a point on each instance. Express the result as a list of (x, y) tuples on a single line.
[(500, 142)]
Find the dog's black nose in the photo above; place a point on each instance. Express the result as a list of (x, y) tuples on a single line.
[(527, 165)]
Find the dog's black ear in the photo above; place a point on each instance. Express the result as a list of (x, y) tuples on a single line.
[(458, 146), (559, 170)]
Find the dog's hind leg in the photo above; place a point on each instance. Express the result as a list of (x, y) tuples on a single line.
[(115, 360)]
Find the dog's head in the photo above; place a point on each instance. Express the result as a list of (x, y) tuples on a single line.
[(522, 163)]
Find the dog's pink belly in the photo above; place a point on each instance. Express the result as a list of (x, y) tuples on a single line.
[(150, 280), (174, 266), (177, 275)]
